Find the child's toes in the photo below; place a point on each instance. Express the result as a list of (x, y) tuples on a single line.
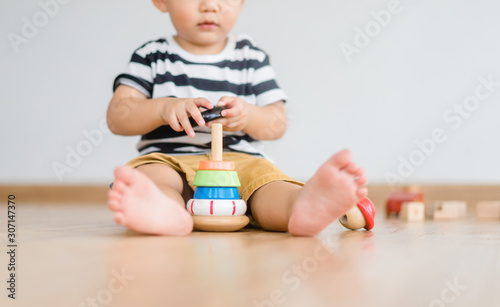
[(114, 195), (341, 159), (362, 192), (354, 170), (119, 218), (126, 174), (114, 205), (351, 168), (361, 180), (119, 187), (114, 200)]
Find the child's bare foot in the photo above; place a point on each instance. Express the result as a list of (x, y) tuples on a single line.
[(139, 205), (335, 188)]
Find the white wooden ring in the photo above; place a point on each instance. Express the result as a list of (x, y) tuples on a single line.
[(216, 207)]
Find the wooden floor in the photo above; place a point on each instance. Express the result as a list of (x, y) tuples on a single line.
[(74, 255)]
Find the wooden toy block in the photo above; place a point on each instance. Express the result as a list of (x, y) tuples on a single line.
[(429, 210), (449, 210), (412, 211), (396, 199), (488, 210), (360, 216)]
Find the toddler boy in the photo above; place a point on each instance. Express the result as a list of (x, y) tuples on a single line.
[(172, 79)]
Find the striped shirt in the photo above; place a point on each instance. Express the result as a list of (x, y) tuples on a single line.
[(161, 68)]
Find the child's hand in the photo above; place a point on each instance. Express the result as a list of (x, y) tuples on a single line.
[(176, 113), (235, 114)]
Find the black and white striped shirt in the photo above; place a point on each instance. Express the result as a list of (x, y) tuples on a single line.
[(162, 68)]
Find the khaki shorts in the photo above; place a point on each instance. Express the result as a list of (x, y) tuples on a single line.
[(253, 172)]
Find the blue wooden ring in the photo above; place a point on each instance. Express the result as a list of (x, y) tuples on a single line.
[(216, 193)]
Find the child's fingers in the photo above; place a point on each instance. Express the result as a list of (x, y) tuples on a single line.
[(231, 110), (187, 127), (174, 122), (229, 124), (223, 121), (233, 126), (233, 106), (196, 115), (227, 103), (184, 121), (224, 101), (203, 102)]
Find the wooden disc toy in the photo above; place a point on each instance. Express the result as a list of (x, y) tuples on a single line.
[(220, 223), (360, 216), (216, 204)]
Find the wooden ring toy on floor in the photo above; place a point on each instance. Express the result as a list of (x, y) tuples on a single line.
[(360, 216)]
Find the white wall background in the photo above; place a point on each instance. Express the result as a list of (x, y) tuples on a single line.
[(394, 92)]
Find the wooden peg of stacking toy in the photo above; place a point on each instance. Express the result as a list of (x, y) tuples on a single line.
[(216, 142), (360, 216), (216, 204)]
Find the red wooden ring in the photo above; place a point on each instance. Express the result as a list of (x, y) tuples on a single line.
[(366, 207), (208, 165)]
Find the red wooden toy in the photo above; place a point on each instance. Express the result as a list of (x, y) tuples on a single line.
[(360, 216), (396, 199)]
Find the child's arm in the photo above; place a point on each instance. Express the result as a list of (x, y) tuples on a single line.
[(131, 113), (261, 123)]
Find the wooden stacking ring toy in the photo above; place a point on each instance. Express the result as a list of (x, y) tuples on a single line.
[(360, 216), (217, 207), (216, 193), (216, 204), (216, 165), (206, 178)]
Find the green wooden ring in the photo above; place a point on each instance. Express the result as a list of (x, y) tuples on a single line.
[(216, 179)]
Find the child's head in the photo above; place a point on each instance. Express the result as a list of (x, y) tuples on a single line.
[(202, 23)]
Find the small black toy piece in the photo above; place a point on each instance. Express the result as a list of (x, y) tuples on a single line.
[(208, 115)]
